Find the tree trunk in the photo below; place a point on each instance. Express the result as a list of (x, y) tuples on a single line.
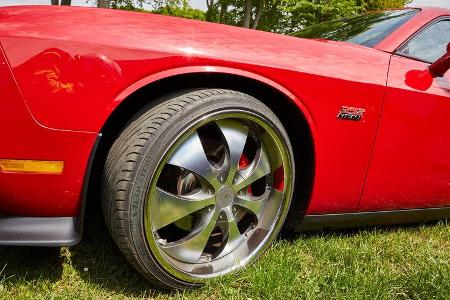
[(209, 3), (259, 11), (247, 14), (209, 10), (55, 2), (103, 3), (223, 9), (66, 2)]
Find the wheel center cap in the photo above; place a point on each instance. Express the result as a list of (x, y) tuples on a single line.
[(224, 196)]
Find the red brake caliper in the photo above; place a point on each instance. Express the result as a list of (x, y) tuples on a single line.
[(278, 179), (244, 162)]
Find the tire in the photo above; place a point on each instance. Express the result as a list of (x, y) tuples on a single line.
[(197, 186)]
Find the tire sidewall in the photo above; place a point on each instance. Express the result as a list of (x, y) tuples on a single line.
[(156, 149)]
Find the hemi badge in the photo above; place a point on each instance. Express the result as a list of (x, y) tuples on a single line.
[(351, 113)]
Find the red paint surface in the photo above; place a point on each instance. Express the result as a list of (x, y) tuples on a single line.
[(73, 77), (22, 138), (410, 167)]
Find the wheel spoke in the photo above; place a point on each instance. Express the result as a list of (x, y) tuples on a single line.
[(235, 134), (190, 248), (254, 204), (259, 168), (272, 209), (168, 208), (190, 155), (231, 232), (272, 152)]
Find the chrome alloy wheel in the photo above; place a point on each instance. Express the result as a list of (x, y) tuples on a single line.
[(219, 195)]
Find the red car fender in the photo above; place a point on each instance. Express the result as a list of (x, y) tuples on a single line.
[(213, 69)]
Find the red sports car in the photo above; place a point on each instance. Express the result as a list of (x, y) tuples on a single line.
[(202, 140)]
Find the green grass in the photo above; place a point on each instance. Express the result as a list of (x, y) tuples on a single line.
[(388, 263)]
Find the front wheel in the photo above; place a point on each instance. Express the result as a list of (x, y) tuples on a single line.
[(198, 186)]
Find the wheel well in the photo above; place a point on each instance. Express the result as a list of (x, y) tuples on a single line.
[(289, 114)]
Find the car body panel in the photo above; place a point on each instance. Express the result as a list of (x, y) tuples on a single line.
[(23, 138), (73, 77), (410, 166), (148, 44), (53, 64)]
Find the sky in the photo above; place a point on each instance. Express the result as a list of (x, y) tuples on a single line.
[(200, 4)]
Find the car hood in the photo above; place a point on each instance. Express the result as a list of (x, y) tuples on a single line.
[(156, 33)]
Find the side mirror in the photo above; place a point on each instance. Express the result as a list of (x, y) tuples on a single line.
[(442, 65)]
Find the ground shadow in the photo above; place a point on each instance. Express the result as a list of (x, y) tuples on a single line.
[(96, 259), (30, 263), (99, 262), (291, 235)]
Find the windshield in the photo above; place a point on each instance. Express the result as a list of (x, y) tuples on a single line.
[(367, 30)]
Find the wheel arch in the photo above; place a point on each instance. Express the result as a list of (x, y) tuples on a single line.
[(292, 113)]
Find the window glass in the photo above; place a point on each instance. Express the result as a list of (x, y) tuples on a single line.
[(430, 44), (367, 30)]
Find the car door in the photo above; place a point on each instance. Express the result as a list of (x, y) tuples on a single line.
[(410, 166)]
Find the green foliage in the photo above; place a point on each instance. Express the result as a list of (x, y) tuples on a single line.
[(368, 5), (390, 263), (178, 8), (135, 5), (283, 16), (225, 11), (286, 16), (189, 13), (303, 13)]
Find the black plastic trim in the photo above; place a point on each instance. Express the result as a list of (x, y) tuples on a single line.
[(86, 181), (361, 219), (48, 232)]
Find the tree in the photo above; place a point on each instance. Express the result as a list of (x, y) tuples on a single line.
[(246, 13), (103, 3), (303, 13), (282, 16), (289, 15), (63, 2), (137, 5), (178, 8), (368, 5)]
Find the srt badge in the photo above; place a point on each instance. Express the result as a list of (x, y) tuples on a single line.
[(351, 113)]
